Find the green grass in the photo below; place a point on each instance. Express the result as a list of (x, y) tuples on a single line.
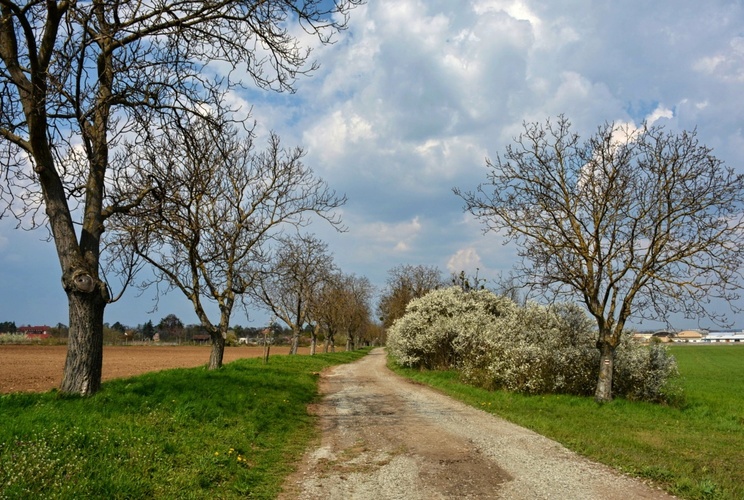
[(186, 433), (694, 451), (235, 432)]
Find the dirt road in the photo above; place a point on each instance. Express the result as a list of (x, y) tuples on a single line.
[(386, 438)]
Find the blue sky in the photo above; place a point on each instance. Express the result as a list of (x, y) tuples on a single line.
[(410, 101)]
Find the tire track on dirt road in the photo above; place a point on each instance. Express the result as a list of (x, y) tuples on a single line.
[(384, 437)]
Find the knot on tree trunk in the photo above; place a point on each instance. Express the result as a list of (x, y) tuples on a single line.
[(81, 281)]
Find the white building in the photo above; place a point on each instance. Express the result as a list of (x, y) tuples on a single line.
[(724, 337)]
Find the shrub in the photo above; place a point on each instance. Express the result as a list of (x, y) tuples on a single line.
[(645, 373), (445, 324), (534, 349), (545, 350), (14, 338)]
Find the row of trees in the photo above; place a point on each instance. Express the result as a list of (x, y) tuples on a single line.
[(112, 125), (8, 327)]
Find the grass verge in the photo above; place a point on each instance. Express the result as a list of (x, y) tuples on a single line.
[(185, 433), (694, 451)]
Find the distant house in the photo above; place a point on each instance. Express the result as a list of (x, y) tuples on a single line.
[(642, 337), (688, 336), (35, 332), (201, 338)]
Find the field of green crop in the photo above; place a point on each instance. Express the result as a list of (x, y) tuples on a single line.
[(694, 450)]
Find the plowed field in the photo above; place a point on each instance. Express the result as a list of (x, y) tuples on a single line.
[(31, 368)]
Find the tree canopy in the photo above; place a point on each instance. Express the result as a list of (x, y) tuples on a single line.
[(406, 282), (633, 222)]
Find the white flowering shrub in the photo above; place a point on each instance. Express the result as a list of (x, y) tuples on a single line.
[(645, 373), (532, 349), (14, 338), (445, 324), (543, 350)]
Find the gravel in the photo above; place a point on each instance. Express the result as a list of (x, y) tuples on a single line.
[(384, 437)]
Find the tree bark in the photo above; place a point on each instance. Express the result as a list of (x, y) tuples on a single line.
[(349, 342), (218, 351), (84, 362), (295, 342), (603, 394), (329, 345)]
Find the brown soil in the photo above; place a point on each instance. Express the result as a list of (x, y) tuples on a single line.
[(35, 368)]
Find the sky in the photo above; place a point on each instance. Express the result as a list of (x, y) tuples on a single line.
[(411, 100)]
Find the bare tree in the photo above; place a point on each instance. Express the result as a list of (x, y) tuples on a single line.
[(635, 223), (75, 77), (342, 305), (218, 204), (328, 307), (295, 275), (356, 317), (405, 283), (468, 283)]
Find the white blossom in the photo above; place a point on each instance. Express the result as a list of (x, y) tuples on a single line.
[(532, 349)]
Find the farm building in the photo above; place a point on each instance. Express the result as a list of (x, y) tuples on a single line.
[(692, 336), (688, 336), (664, 335), (725, 337), (35, 332)]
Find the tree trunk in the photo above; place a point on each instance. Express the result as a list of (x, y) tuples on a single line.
[(603, 394), (313, 343), (218, 351), (84, 362), (330, 343), (295, 342)]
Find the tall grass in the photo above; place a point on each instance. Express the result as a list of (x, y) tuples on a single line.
[(185, 433), (694, 450)]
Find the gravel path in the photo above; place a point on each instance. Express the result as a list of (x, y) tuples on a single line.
[(384, 437)]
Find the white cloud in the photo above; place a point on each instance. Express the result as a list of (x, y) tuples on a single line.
[(411, 99), (465, 259), (659, 113), (388, 238)]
